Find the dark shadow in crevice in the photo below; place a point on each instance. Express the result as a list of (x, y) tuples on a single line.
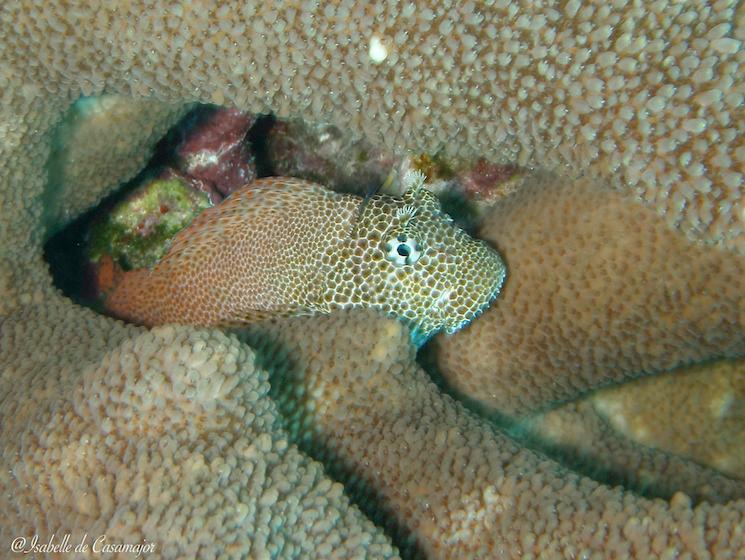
[(66, 251), (258, 139)]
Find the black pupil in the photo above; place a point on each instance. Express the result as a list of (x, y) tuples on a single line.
[(403, 250)]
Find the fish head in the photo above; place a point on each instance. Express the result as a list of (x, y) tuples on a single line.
[(412, 261)]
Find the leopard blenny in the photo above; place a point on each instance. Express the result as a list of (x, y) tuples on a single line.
[(282, 246)]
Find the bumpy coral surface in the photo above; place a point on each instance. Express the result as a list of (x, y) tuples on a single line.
[(695, 412), (165, 437), (647, 95), (578, 436), (599, 290), (118, 130), (286, 246), (137, 231), (650, 95), (453, 485)]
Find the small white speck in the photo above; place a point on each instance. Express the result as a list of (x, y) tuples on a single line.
[(378, 51)]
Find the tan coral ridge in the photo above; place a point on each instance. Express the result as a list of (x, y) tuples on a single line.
[(459, 487), (647, 94), (695, 412), (602, 292), (116, 129), (578, 437), (598, 291), (165, 437)]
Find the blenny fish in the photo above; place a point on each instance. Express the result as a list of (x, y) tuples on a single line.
[(283, 246)]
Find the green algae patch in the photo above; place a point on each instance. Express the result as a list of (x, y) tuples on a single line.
[(138, 231)]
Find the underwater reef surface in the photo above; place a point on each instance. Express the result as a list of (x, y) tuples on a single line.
[(174, 436)]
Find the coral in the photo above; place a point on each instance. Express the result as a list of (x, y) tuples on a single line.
[(165, 437), (657, 433), (696, 412), (434, 167), (327, 154), (650, 96), (579, 437), (466, 188), (476, 180), (599, 290), (119, 130), (215, 152), (285, 246), (646, 95), (137, 232), (487, 181), (453, 485)]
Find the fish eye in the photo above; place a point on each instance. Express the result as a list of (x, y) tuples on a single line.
[(402, 249)]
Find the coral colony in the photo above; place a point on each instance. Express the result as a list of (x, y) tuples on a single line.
[(597, 146)]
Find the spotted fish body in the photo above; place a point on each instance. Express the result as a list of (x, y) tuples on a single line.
[(285, 246)]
